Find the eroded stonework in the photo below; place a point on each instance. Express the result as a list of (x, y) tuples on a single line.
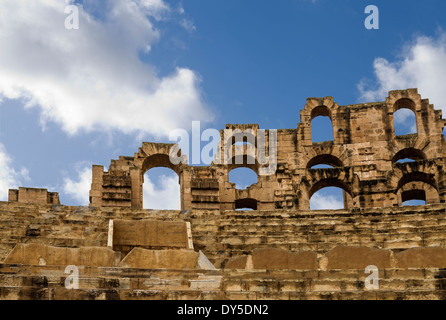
[(363, 155), (280, 250)]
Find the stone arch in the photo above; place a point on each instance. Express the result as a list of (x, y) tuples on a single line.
[(246, 203), (153, 155), (404, 103), (248, 135), (247, 162), (234, 133), (242, 167), (321, 111), (410, 124), (158, 160), (417, 176), (316, 179), (327, 159), (410, 172), (417, 190), (317, 107), (410, 153), (405, 99), (329, 182), (333, 182)]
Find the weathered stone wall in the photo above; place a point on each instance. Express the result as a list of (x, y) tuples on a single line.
[(33, 195), (259, 254), (364, 154), (223, 236)]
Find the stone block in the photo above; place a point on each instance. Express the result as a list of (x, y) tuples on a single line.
[(160, 259), (40, 254), (150, 234), (424, 257), (357, 258), (275, 258)]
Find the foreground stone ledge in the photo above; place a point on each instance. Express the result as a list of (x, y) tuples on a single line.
[(428, 257), (357, 258), (39, 254), (164, 259), (341, 258), (149, 233)]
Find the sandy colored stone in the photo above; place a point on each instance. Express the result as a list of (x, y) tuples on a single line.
[(428, 257), (40, 254), (150, 234), (237, 262), (275, 258), (160, 259), (357, 258), (364, 154)]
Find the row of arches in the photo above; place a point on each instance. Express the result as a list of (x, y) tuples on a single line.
[(413, 189), (329, 161), (404, 121), (161, 188)]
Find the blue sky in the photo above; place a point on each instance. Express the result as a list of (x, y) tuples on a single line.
[(136, 69)]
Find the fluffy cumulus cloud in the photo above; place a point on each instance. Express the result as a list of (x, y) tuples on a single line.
[(405, 121), (165, 194), (79, 189), (320, 201), (93, 77), (10, 178), (421, 64)]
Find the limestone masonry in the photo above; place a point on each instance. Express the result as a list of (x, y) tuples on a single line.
[(364, 153), (280, 250)]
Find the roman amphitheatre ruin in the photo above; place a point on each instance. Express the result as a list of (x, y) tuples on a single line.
[(210, 249)]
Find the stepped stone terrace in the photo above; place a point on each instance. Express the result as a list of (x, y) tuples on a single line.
[(280, 249)]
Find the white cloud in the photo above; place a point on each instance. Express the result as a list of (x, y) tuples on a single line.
[(180, 9), (79, 189), (406, 118), (92, 78), (9, 177), (164, 195), (188, 25), (421, 65), (321, 201)]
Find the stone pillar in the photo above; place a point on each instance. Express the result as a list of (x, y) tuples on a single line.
[(185, 190), (96, 186), (136, 180)]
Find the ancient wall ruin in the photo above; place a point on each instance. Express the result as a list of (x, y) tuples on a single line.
[(363, 155), (280, 250)]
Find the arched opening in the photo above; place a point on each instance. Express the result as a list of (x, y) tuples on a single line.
[(246, 204), (404, 119), (243, 161), (243, 177), (329, 198), (321, 129), (240, 147), (408, 154), (159, 160), (322, 166), (417, 188), (418, 177), (324, 161), (238, 137), (161, 189), (413, 197), (321, 125), (330, 194)]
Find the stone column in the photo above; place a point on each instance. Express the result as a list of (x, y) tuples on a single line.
[(96, 186), (136, 180)]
